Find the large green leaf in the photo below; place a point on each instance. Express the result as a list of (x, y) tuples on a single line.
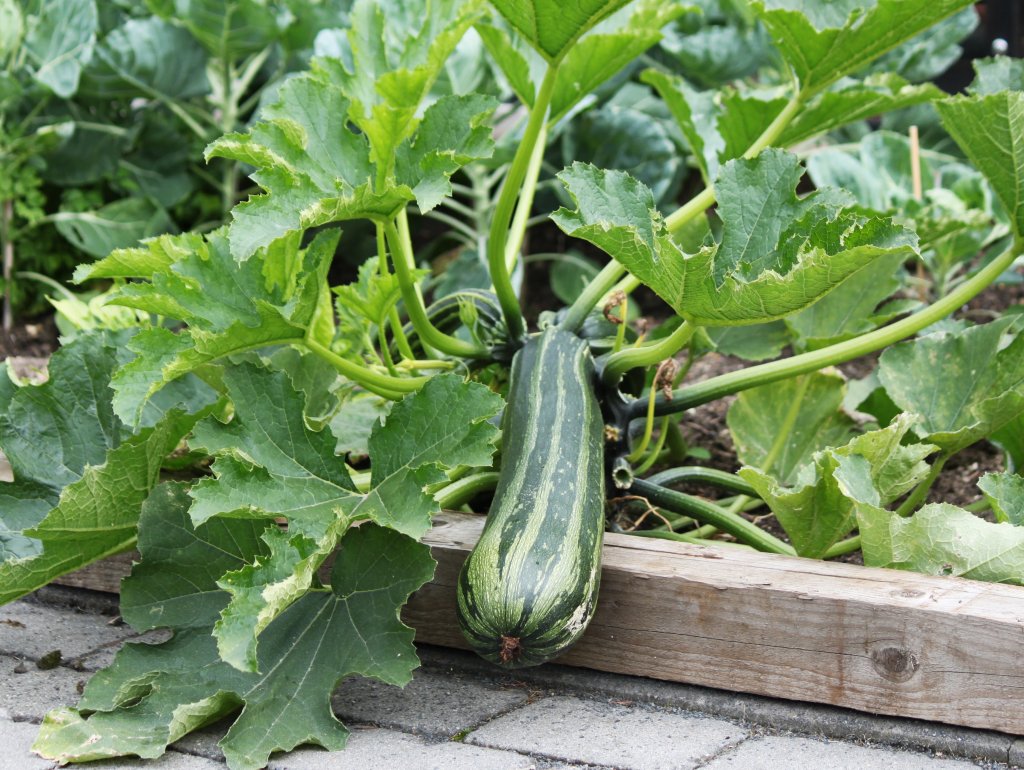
[(396, 49), (823, 42), (174, 583), (116, 225), (778, 254), (850, 311), (942, 539), (154, 694), (228, 29), (59, 40), (1005, 493), (229, 307), (777, 428), (552, 27), (989, 127), (270, 464), (721, 126), (821, 507), (147, 58), (599, 56), (315, 170), (1011, 439), (80, 476), (964, 385)]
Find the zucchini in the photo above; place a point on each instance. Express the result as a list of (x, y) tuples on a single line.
[(529, 587)]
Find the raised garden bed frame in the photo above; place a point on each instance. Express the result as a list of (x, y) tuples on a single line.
[(875, 640)]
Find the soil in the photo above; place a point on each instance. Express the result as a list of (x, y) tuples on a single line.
[(35, 338)]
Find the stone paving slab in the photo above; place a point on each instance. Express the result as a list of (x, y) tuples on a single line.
[(378, 749), (15, 740), (596, 733), (549, 718), (27, 693), (432, 704), (765, 713), (787, 753), (34, 630)]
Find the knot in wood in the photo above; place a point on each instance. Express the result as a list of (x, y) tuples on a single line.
[(897, 664)]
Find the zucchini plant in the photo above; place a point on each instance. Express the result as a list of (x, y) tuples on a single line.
[(307, 419)]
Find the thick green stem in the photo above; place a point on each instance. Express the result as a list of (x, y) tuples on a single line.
[(686, 537), (381, 384), (693, 208), (695, 474), (646, 355), (843, 547), (497, 241), (709, 513), (601, 284), (655, 453), (763, 374), (431, 335), (462, 491), (921, 491), (521, 220)]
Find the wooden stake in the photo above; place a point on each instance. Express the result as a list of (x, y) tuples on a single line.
[(915, 163)]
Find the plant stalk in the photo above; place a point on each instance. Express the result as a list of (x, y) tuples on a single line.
[(431, 335), (646, 355), (763, 374), (498, 239), (697, 474), (599, 286), (709, 513), (381, 384), (465, 489)]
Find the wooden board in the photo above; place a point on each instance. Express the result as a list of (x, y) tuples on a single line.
[(881, 641)]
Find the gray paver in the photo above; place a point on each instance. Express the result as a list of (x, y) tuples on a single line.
[(432, 704), (591, 732), (203, 743), (769, 713), (786, 753), (169, 761), (1016, 757), (15, 740), (378, 749), (31, 630), (29, 695)]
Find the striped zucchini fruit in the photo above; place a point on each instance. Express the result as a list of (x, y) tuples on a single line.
[(529, 587)]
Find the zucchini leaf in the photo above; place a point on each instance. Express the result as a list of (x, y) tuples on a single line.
[(778, 253), (551, 26), (1005, 493), (317, 169), (821, 506), (153, 694), (80, 476), (269, 464), (988, 125), (229, 307), (824, 42), (777, 428), (941, 539), (720, 126), (965, 385)]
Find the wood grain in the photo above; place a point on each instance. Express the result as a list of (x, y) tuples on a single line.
[(880, 641)]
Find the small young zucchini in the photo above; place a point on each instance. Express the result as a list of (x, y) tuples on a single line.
[(529, 587)]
